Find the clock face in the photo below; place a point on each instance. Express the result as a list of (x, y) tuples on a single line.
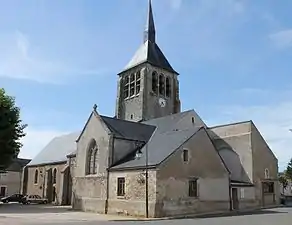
[(162, 102)]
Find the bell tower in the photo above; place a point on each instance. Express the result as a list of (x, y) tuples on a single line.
[(148, 86)]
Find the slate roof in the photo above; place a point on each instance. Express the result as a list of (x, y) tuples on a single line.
[(57, 150), (164, 135), (170, 134), (170, 122), (128, 129), (17, 164), (160, 146), (149, 52)]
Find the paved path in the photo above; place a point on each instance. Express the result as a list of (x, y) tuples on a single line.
[(49, 215)]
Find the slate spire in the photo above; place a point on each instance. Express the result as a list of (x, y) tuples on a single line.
[(149, 32)]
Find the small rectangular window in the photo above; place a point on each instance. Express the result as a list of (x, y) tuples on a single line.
[(193, 188), (186, 155), (121, 186), (268, 187)]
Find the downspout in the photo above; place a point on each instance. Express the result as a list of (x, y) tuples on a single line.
[(146, 179), (108, 173), (230, 192), (68, 183)]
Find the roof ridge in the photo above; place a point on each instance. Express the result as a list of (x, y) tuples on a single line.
[(171, 115), (230, 124)]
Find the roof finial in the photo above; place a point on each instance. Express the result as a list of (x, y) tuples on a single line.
[(149, 33), (95, 107)]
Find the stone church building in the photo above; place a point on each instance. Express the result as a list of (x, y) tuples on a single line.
[(151, 159)]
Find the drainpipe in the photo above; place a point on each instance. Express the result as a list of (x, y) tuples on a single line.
[(68, 183), (230, 193), (110, 159), (146, 181)]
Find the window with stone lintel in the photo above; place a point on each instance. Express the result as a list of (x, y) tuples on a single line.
[(121, 186)]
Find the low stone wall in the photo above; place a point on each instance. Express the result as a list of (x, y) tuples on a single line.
[(95, 205), (175, 208), (131, 208)]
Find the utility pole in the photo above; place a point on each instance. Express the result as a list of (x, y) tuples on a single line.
[(146, 180)]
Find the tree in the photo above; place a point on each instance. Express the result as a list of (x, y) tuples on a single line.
[(288, 172), (283, 180), (11, 129)]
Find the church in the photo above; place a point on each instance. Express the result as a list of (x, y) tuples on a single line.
[(151, 159)]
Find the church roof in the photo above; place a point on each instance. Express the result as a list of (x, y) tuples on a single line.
[(57, 150), (149, 51), (171, 132), (128, 129), (159, 147), (165, 133), (17, 164)]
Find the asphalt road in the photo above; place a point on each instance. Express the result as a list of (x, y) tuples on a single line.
[(15, 214)]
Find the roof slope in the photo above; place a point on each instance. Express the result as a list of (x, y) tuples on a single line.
[(56, 150), (17, 164), (128, 129), (160, 146), (151, 53), (169, 135)]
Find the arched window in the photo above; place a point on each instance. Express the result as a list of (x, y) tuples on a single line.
[(126, 82), (36, 176), (161, 85), (168, 92), (267, 173), (55, 176), (92, 158), (154, 82), (138, 82), (132, 84)]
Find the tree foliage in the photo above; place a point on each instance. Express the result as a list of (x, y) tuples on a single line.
[(283, 180), (11, 129), (288, 172)]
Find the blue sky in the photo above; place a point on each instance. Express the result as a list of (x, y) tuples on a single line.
[(58, 58)]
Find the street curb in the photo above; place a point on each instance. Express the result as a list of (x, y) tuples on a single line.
[(210, 214)]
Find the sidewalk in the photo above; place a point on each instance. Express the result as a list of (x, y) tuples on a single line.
[(204, 215)]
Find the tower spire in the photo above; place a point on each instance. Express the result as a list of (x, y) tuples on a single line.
[(149, 32)]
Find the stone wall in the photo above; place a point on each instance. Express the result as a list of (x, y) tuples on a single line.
[(263, 158), (237, 139), (205, 164), (90, 193), (40, 188), (133, 203), (11, 181), (246, 197)]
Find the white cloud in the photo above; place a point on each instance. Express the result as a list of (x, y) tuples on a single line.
[(273, 121), (17, 61), (35, 140), (282, 39)]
